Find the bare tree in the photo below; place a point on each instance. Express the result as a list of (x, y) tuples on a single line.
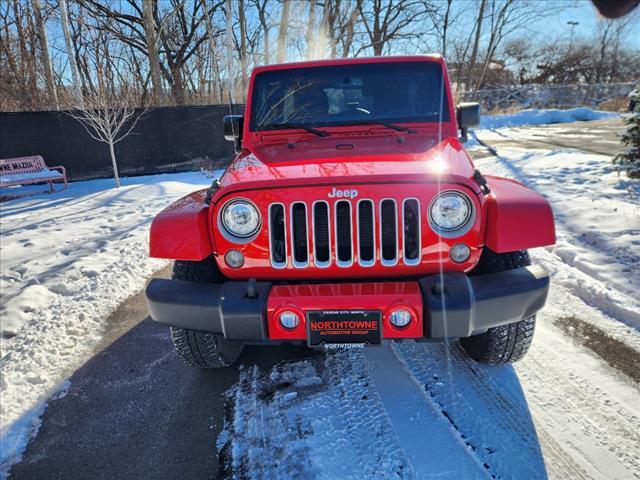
[(213, 52), (73, 64), (14, 81), (337, 27), (311, 20), (109, 117), (283, 30), (443, 17), (229, 33), (347, 27), (151, 42), (389, 20), (181, 31), (242, 44), (173, 51), (43, 43), (506, 17), (265, 24), (476, 41)]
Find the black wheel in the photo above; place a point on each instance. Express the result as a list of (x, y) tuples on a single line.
[(200, 349), (507, 343)]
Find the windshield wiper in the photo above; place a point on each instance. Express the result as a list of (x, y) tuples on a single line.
[(392, 126), (280, 126)]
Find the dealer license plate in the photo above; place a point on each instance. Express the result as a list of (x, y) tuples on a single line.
[(344, 326)]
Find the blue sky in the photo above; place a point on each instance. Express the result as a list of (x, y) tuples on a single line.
[(583, 12)]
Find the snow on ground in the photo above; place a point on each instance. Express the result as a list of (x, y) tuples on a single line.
[(16, 438), (413, 410), (407, 410), (68, 260), (597, 213), (542, 117), (564, 411)]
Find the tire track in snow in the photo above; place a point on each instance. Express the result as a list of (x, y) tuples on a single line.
[(590, 417), (492, 417), (585, 427), (319, 418), (414, 410), (491, 409), (416, 417), (383, 413)]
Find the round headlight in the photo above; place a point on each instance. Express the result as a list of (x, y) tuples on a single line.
[(241, 218), (450, 212)]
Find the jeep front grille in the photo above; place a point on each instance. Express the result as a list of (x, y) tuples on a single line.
[(324, 233)]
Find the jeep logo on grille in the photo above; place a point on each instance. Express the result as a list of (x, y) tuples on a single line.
[(335, 193)]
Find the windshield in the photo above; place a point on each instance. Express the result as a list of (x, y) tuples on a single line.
[(399, 92)]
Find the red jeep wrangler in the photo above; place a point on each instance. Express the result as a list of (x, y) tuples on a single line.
[(351, 214)]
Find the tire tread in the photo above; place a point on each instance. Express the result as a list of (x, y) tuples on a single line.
[(506, 343), (202, 349)]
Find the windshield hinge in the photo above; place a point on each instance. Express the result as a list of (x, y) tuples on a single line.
[(215, 186), (480, 180)]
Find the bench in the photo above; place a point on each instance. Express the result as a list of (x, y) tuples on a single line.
[(30, 170)]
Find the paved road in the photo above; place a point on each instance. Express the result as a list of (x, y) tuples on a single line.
[(136, 411), (599, 137)]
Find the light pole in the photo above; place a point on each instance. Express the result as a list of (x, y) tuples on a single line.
[(572, 24)]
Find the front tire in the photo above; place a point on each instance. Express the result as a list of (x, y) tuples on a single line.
[(506, 343), (205, 350), (201, 349)]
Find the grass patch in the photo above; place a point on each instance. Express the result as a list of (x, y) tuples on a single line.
[(614, 352)]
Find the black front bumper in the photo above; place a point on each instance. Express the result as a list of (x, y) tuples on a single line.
[(455, 304)]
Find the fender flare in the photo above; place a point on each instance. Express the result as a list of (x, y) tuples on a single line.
[(517, 217), (181, 231)]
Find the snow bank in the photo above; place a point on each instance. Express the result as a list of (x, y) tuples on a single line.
[(544, 116), (15, 438), (597, 252), (68, 260)]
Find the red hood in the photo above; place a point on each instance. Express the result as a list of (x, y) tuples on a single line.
[(419, 158)]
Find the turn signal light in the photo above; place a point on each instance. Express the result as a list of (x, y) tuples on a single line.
[(234, 258), (460, 253)]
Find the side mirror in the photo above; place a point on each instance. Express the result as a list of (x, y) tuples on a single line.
[(468, 115), (233, 130)]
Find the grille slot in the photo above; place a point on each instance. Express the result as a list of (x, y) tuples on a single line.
[(321, 246), (366, 235), (299, 239), (277, 236), (388, 232), (411, 232), (344, 251)]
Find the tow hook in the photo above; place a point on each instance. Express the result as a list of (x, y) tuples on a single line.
[(251, 288)]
